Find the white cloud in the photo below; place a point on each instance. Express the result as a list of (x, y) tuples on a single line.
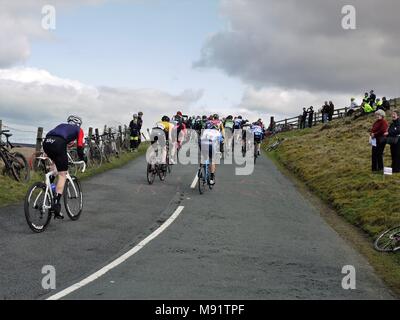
[(35, 97)]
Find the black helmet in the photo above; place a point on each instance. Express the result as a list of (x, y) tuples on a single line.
[(165, 119)]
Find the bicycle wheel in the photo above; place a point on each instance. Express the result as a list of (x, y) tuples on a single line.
[(162, 173), (37, 215), (202, 180), (151, 174), (388, 241), (73, 198), (20, 167)]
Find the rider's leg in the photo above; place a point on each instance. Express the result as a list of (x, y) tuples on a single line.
[(62, 178)]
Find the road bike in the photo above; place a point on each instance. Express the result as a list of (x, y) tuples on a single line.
[(15, 164), (203, 175), (275, 145), (155, 167), (388, 241), (40, 199)]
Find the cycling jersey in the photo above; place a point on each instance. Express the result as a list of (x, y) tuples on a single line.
[(69, 133), (257, 132)]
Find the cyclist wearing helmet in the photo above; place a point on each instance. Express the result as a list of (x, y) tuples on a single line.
[(134, 127), (55, 146), (210, 141), (161, 132), (258, 132)]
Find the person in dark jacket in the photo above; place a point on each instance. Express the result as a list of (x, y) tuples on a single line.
[(393, 140), (303, 119), (378, 131), (310, 116), (325, 112), (140, 124), (331, 110), (385, 104), (372, 98), (135, 131)]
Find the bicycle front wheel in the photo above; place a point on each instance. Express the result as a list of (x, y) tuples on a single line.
[(73, 198), (36, 210), (389, 241)]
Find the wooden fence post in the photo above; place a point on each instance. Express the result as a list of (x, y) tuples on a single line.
[(96, 135), (90, 133), (39, 139), (1, 127)]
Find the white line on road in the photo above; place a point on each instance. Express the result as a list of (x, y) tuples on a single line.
[(119, 260), (196, 178)]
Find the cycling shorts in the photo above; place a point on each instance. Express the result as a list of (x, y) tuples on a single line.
[(56, 149)]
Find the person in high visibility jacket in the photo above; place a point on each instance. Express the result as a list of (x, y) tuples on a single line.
[(379, 104), (367, 107), (134, 127)]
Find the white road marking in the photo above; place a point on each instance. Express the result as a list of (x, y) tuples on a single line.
[(194, 183), (119, 260)]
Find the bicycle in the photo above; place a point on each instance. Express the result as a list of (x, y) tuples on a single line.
[(154, 167), (388, 241), (275, 145), (15, 164), (40, 199), (204, 177)]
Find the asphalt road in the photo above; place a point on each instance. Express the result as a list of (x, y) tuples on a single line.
[(251, 237)]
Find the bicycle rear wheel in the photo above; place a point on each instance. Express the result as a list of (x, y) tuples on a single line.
[(151, 175), (37, 216), (20, 167), (162, 173), (202, 181), (388, 241), (73, 198)]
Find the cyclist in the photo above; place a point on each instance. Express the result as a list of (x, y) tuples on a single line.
[(228, 126), (55, 146), (258, 132), (180, 128), (160, 132), (211, 138)]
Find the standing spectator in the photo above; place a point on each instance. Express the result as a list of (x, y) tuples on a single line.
[(378, 131), (393, 140), (331, 110), (303, 119), (310, 116), (366, 98), (140, 124), (134, 128), (372, 98), (325, 112), (385, 104)]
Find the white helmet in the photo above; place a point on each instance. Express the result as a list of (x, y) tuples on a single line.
[(75, 120)]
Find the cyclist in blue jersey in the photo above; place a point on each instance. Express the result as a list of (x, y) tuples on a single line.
[(55, 146)]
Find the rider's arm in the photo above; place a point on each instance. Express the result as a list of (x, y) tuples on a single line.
[(80, 145)]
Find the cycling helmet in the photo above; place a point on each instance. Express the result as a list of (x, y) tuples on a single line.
[(165, 119), (75, 120), (216, 116), (140, 113), (240, 117), (135, 116), (179, 113)]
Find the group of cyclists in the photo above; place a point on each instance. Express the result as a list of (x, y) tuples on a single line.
[(212, 132)]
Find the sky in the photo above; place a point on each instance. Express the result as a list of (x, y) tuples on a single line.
[(108, 59)]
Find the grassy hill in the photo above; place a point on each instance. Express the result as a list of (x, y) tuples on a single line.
[(334, 160)]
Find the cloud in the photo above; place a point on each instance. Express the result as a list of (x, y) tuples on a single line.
[(20, 23), (36, 97), (301, 45)]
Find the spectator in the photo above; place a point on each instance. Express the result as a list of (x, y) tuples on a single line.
[(379, 104), (372, 98), (378, 131), (385, 104), (310, 116), (331, 110), (325, 112), (303, 119), (140, 124), (393, 140), (135, 131), (366, 97), (353, 107)]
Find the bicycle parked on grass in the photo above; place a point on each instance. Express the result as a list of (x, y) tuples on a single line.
[(15, 164), (388, 241), (275, 145), (40, 199)]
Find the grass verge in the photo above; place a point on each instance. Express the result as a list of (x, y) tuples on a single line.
[(12, 192), (333, 162)]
